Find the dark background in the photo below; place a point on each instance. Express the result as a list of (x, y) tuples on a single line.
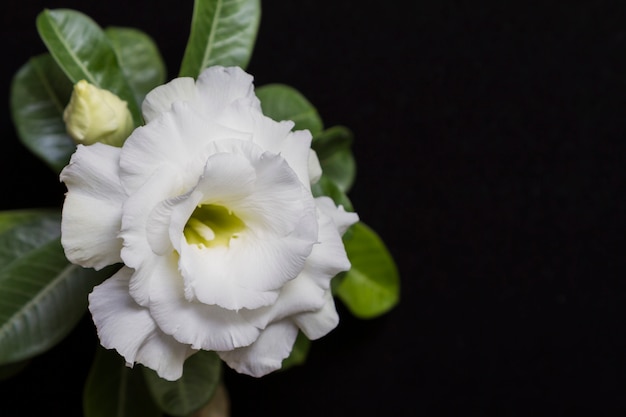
[(490, 142)]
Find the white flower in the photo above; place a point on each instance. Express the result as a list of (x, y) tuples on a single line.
[(209, 208)]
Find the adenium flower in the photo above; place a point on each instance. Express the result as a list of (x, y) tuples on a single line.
[(97, 115), (209, 209)]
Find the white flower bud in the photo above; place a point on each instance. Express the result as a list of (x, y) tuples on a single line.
[(97, 115)]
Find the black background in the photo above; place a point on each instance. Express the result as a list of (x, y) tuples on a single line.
[(490, 142)]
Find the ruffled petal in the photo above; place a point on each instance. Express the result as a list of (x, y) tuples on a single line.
[(159, 224), (128, 328), (164, 354), (122, 324), (161, 99), (309, 292), (315, 169), (296, 150), (273, 136), (149, 270), (328, 257), (92, 210), (278, 203), (341, 218), (139, 240), (297, 296), (318, 323), (199, 325), (267, 353), (245, 115), (177, 140), (211, 277), (218, 87)]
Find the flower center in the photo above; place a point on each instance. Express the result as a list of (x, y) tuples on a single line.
[(212, 225)]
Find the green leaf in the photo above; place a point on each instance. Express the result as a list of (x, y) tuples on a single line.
[(372, 286), (39, 93), (139, 58), (281, 102), (299, 352), (83, 51), (331, 141), (202, 374), (340, 168), (42, 295), (326, 187), (114, 390), (333, 150), (223, 32)]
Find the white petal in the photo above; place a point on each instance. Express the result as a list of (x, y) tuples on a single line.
[(267, 353), (159, 145), (315, 169), (168, 218), (218, 87), (211, 277), (278, 203), (199, 325), (181, 209), (138, 251), (297, 296), (318, 323), (160, 99), (228, 172), (128, 328), (269, 133), (148, 271), (272, 136), (341, 218), (328, 257), (296, 150), (92, 210), (244, 115), (310, 290), (176, 140), (121, 323), (164, 354), (240, 115)]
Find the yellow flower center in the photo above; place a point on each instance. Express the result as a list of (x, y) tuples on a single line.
[(212, 225)]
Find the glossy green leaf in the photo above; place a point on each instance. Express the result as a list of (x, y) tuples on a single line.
[(139, 58), (84, 52), (114, 390), (372, 286), (223, 32), (282, 102), (42, 295), (202, 373), (340, 168), (39, 93), (326, 187), (331, 141), (299, 352), (333, 150)]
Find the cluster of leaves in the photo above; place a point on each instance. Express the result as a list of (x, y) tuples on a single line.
[(43, 296)]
